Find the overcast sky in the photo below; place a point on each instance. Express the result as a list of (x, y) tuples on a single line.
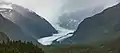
[(51, 9)]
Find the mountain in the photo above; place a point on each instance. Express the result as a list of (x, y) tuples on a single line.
[(109, 47), (13, 31), (3, 36), (19, 47), (104, 26), (23, 24), (71, 20)]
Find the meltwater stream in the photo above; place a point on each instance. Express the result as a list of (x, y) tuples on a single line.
[(52, 10)]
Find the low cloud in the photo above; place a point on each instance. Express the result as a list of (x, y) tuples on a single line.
[(52, 9)]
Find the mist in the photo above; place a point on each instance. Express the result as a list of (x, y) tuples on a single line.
[(51, 10)]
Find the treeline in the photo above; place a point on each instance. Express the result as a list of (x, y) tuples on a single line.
[(19, 47)]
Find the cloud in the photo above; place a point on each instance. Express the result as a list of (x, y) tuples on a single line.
[(72, 5), (45, 8), (52, 9)]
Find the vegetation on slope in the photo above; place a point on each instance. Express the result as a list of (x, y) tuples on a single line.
[(11, 46), (107, 47), (19, 47)]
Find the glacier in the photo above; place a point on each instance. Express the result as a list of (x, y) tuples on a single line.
[(62, 34), (23, 24), (74, 19), (63, 31)]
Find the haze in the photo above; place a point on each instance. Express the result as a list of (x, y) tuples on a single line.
[(52, 9)]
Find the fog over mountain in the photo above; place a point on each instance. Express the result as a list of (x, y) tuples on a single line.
[(63, 14), (100, 28), (20, 23), (50, 9)]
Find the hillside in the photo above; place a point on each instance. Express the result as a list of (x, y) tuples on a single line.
[(102, 27), (19, 47), (110, 47), (97, 34), (3, 36), (11, 46), (20, 23)]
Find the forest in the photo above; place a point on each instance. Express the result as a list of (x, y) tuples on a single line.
[(19, 47)]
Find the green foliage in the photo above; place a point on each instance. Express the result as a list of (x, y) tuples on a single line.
[(19, 47), (108, 47)]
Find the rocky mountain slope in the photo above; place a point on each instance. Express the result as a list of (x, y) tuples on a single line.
[(104, 26), (20, 23)]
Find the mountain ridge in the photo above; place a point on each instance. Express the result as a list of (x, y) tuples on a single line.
[(101, 27), (30, 25)]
